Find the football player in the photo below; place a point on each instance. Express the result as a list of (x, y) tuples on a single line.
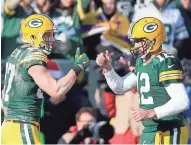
[(158, 78), (172, 19), (26, 75)]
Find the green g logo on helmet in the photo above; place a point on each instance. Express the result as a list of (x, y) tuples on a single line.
[(35, 23), (150, 27)]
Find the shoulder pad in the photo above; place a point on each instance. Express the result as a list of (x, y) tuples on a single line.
[(34, 55)]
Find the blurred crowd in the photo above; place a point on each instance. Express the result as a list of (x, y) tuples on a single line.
[(96, 26)]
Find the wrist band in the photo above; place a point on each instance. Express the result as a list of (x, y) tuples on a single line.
[(77, 69)]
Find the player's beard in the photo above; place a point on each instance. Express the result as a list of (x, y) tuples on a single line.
[(147, 45)]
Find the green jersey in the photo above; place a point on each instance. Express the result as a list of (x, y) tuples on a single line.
[(162, 70), (22, 96)]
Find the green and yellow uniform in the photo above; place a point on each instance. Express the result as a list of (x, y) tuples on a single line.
[(22, 97), (152, 77)]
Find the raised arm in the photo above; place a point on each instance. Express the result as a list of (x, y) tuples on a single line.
[(10, 6), (58, 89), (118, 84)]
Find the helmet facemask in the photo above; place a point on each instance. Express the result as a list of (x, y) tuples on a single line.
[(143, 49), (49, 44)]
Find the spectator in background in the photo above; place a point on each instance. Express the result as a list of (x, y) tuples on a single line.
[(185, 55), (112, 27), (15, 11), (108, 24), (126, 7), (172, 19), (67, 21), (184, 50), (42, 6), (83, 117), (2, 13), (185, 8), (127, 130)]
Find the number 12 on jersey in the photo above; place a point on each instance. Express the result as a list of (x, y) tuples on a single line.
[(144, 88)]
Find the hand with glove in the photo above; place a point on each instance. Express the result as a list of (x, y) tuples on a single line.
[(81, 61)]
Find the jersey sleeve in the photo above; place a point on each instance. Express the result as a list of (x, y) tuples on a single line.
[(34, 58), (170, 70)]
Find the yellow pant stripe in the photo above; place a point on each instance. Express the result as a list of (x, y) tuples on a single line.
[(166, 137), (183, 135), (20, 133), (36, 134), (158, 138)]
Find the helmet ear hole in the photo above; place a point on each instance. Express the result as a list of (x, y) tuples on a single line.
[(33, 37)]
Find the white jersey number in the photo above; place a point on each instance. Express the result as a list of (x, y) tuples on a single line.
[(10, 73), (145, 89), (166, 55)]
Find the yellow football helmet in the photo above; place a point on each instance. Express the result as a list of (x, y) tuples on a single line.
[(149, 30), (33, 29)]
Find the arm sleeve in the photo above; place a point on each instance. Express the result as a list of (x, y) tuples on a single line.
[(170, 70), (118, 84), (34, 58), (179, 101)]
